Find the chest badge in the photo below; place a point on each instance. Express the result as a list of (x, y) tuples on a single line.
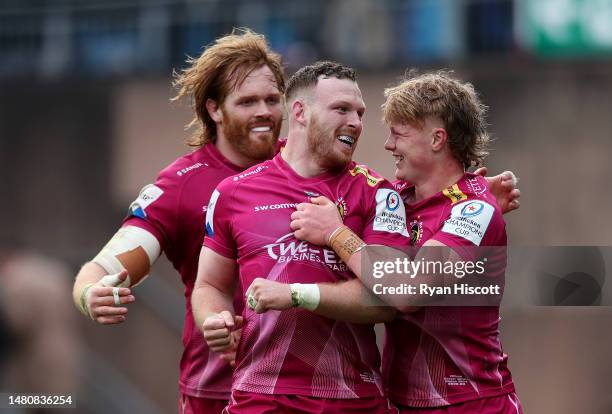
[(416, 231), (342, 207)]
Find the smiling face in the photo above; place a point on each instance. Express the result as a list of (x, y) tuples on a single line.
[(252, 115), (413, 149), (335, 122)]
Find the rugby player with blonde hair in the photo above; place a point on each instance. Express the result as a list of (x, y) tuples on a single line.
[(437, 359), (236, 89)]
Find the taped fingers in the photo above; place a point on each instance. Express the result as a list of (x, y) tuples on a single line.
[(110, 300), (116, 297), (102, 291)]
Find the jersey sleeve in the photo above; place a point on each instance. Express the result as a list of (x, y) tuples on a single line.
[(219, 232), (155, 209), (471, 224), (386, 224)]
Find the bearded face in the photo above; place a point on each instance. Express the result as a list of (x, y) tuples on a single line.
[(323, 143), (253, 138), (251, 116)]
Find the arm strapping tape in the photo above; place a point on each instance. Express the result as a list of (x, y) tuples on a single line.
[(345, 243), (131, 248)]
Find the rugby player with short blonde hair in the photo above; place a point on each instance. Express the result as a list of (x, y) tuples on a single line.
[(437, 359)]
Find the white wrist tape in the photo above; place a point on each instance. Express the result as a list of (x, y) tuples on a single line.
[(131, 248), (83, 306), (308, 295)]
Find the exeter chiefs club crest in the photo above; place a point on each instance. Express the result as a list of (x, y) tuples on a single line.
[(416, 231), (342, 207)]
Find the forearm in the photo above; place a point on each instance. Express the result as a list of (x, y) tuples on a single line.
[(351, 302), (207, 300), (351, 248)]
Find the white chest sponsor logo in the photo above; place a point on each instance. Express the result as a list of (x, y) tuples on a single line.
[(469, 220), (185, 170), (390, 212), (280, 206), (247, 174), (287, 249)]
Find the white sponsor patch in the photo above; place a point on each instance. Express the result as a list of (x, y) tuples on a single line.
[(210, 213), (148, 195), (469, 220), (390, 212)]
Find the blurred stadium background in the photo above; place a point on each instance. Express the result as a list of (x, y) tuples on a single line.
[(85, 122)]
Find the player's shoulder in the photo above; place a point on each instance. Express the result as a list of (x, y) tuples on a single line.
[(472, 210), (361, 174), (471, 197), (252, 173), (167, 187), (185, 166), (472, 187)]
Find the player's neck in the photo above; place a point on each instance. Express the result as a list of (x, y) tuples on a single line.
[(298, 157), (229, 153), (441, 176)]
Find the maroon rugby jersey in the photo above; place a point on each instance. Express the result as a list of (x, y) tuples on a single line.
[(173, 210), (439, 356), (297, 351)]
